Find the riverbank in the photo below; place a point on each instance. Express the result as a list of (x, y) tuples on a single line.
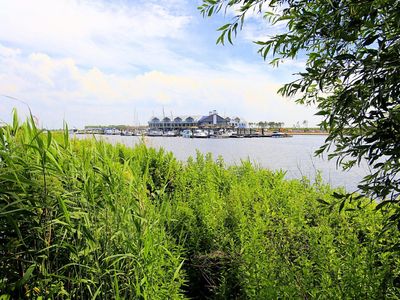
[(88, 219)]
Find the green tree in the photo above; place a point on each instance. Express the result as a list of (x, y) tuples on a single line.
[(352, 73)]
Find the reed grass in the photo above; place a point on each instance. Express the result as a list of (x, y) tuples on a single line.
[(82, 219)]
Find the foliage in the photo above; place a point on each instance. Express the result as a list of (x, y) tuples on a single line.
[(353, 69), (78, 220), (83, 219), (270, 125)]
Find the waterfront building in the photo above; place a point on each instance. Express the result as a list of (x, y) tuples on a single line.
[(237, 122), (191, 121)]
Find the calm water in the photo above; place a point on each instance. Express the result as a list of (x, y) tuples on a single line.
[(293, 155)]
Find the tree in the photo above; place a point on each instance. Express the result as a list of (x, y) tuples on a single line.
[(352, 73)]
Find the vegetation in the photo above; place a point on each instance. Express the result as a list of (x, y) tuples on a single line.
[(83, 219), (265, 124), (352, 49)]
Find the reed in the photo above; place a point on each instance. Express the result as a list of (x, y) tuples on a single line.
[(82, 219)]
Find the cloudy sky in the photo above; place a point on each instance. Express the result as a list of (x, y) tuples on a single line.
[(120, 62)]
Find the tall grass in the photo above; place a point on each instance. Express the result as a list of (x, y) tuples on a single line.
[(83, 219), (77, 220)]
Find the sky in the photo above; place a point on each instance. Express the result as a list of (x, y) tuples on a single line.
[(123, 61)]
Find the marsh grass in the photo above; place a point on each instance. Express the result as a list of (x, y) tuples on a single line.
[(82, 219)]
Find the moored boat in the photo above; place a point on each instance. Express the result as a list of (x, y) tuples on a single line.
[(277, 134), (170, 133), (155, 133), (186, 133), (200, 134)]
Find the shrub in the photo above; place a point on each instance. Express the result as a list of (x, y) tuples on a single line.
[(84, 219)]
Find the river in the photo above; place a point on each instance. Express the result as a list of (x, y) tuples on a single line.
[(294, 155)]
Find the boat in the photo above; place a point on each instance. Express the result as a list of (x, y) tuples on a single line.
[(186, 133), (226, 134), (127, 133), (198, 133), (170, 133), (155, 133), (277, 134), (112, 131)]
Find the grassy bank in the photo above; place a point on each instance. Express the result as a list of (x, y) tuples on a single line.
[(85, 220)]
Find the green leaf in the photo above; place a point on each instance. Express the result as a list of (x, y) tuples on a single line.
[(222, 28), (345, 56), (342, 205), (383, 204), (230, 37), (322, 113), (26, 276), (323, 201), (176, 273)]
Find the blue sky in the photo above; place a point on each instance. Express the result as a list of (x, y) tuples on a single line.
[(99, 62)]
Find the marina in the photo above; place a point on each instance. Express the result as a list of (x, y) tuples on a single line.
[(192, 126), (196, 132), (189, 126)]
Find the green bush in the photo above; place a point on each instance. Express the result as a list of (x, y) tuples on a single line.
[(78, 221), (84, 219)]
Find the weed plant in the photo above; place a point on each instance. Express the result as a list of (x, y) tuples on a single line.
[(82, 219)]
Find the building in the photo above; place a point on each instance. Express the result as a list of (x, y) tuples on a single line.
[(182, 122), (236, 122), (213, 119)]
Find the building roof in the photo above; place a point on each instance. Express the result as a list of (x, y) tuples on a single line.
[(195, 118)]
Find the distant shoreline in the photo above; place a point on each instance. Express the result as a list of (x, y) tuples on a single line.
[(307, 133)]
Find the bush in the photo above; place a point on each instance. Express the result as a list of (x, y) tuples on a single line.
[(84, 219)]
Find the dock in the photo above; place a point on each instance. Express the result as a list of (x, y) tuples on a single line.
[(202, 126), (194, 132)]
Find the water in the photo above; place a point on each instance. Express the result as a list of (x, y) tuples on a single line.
[(294, 155)]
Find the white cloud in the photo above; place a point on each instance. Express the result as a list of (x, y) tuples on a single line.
[(57, 89), (9, 52), (92, 62), (94, 33)]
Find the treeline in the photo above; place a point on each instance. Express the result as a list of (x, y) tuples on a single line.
[(265, 124), (85, 220)]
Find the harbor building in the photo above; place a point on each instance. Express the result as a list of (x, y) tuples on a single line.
[(237, 122), (182, 122)]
